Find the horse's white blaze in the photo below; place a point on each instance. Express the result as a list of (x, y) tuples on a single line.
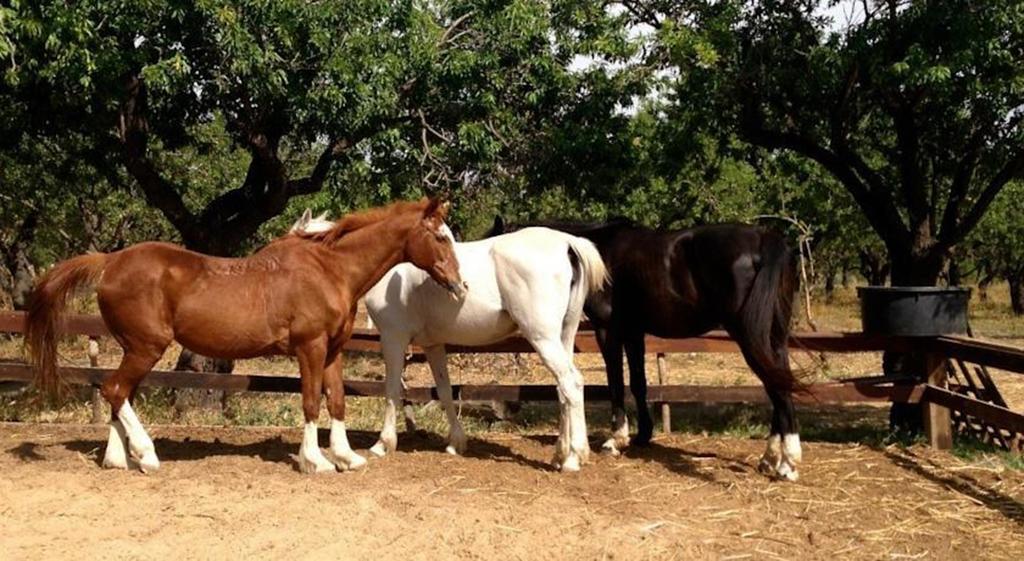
[(342, 454), (139, 443), (311, 459), (116, 455)]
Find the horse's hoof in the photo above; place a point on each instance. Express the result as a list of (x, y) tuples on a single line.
[(787, 473), (570, 465), (149, 463), (611, 448), (347, 461), (642, 441), (310, 467), (378, 450), (115, 458), (456, 446)]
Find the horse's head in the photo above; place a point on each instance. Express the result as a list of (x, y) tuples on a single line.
[(431, 247)]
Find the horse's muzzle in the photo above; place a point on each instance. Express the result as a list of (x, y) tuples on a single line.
[(458, 290)]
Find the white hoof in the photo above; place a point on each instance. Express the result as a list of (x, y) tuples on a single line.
[(611, 448), (116, 456), (456, 445), (347, 461), (571, 464), (115, 463), (149, 463), (379, 450), (787, 472), (315, 465)]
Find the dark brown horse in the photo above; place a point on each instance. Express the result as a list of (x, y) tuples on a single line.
[(297, 296), (683, 283)]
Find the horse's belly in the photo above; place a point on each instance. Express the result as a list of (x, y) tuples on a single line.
[(222, 333), (471, 325)]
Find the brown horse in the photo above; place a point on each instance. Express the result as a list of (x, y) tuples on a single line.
[(297, 296)]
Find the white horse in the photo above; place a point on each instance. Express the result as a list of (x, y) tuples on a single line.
[(533, 282)]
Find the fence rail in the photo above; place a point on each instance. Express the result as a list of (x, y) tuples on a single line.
[(934, 394)]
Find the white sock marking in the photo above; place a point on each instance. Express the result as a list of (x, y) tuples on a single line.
[(116, 455), (344, 456), (311, 459), (139, 443), (791, 448)]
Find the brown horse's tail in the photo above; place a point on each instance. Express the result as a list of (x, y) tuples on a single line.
[(46, 306), (766, 314)]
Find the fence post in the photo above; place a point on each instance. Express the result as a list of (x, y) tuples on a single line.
[(938, 424), (666, 414), (97, 400)]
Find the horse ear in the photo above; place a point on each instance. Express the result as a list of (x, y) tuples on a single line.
[(306, 217), (432, 204)]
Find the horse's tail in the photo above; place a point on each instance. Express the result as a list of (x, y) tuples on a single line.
[(593, 272), (46, 306), (766, 313)]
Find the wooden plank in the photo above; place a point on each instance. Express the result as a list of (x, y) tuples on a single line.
[(367, 340), (830, 393), (74, 324), (989, 412), (938, 423), (979, 352)]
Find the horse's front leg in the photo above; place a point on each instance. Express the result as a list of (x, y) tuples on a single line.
[(340, 452), (438, 360), (311, 356), (393, 348)]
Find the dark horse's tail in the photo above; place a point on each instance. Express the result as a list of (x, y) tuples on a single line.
[(46, 306), (766, 313)]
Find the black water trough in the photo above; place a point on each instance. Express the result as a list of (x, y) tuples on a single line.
[(913, 310)]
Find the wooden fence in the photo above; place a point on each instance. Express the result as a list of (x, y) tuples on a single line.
[(937, 395)]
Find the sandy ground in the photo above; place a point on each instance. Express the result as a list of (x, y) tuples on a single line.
[(236, 493)]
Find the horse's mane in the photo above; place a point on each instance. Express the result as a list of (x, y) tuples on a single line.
[(356, 220)]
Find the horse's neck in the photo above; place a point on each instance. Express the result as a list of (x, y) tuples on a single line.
[(371, 251)]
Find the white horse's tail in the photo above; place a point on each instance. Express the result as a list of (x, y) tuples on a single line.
[(594, 275)]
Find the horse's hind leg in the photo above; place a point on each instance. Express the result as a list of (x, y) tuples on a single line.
[(635, 350), (311, 357), (611, 351), (572, 448), (438, 359), (340, 452), (393, 349), (782, 455), (786, 434), (125, 427)]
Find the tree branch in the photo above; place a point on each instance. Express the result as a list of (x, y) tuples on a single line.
[(133, 135), (1012, 170)]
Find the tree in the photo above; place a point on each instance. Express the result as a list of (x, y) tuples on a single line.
[(998, 243), (916, 111), (431, 91)]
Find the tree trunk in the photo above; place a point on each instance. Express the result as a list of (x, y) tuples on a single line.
[(910, 269), (23, 276), (1016, 282), (830, 286)]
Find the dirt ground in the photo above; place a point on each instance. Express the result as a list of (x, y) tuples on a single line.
[(235, 493)]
